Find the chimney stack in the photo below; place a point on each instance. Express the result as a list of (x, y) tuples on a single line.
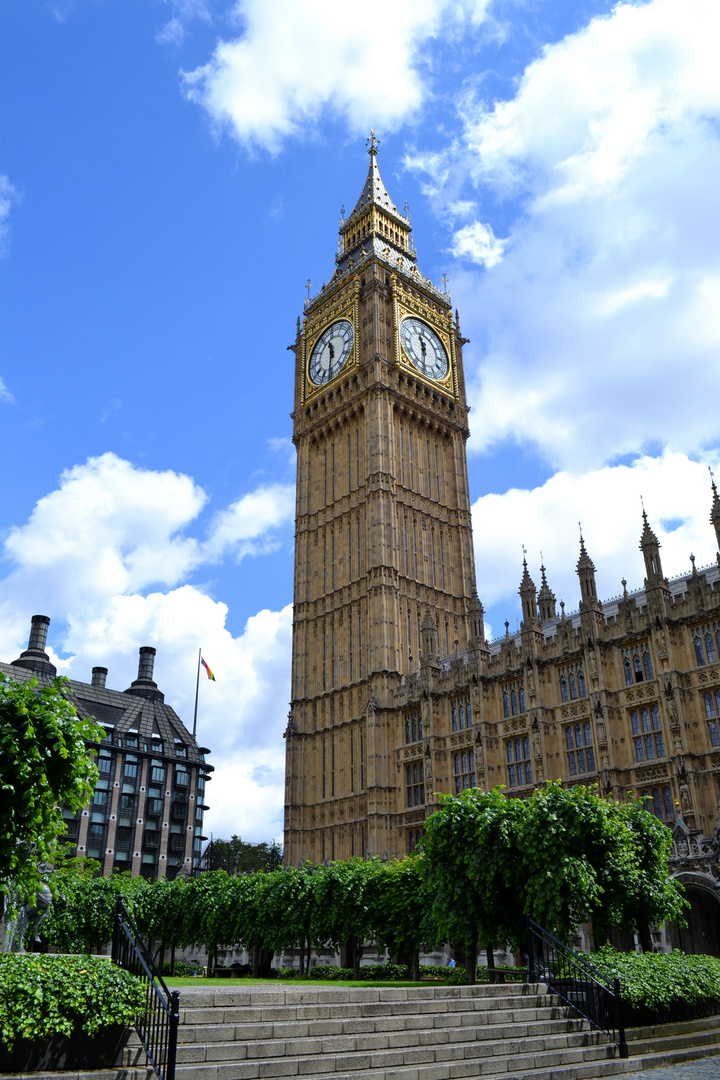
[(144, 686), (99, 677), (35, 658)]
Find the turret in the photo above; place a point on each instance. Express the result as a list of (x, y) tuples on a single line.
[(650, 547), (546, 599), (715, 512), (35, 658), (477, 620), (528, 598), (586, 573)]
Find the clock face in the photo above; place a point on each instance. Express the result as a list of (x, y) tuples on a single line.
[(331, 352), (424, 349)]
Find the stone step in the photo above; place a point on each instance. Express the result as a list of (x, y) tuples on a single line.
[(442, 1044), (439, 1029), (587, 1068)]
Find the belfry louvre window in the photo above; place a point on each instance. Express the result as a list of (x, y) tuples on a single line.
[(464, 770), (712, 712), (518, 762), (659, 802), (580, 751), (413, 728), (513, 699), (461, 714), (637, 664), (647, 733), (415, 782), (572, 682)]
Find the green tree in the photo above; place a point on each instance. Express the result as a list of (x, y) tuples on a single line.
[(343, 913), (82, 917), (44, 762), (472, 874), (586, 857), (237, 856), (399, 905), (652, 895), (288, 903)]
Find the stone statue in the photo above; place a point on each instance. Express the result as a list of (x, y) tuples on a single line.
[(28, 915)]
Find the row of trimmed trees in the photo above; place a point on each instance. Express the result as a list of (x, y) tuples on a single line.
[(563, 856)]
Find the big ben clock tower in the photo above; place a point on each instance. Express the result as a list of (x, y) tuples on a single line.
[(384, 573)]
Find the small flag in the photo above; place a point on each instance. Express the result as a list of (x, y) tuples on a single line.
[(209, 672)]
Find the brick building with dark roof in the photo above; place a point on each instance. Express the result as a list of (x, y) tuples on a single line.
[(146, 815)]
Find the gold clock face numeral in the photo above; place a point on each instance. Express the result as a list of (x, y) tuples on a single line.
[(331, 352), (424, 349)]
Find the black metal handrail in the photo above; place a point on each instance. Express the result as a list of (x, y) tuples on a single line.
[(576, 982), (157, 1026)]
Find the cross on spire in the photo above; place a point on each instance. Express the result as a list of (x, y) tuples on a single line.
[(444, 280), (308, 286), (373, 144)]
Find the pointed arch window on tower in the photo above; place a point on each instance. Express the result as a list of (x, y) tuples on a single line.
[(580, 751), (519, 768), (464, 770), (461, 714), (415, 783), (572, 682), (710, 648), (659, 803), (647, 663), (637, 664), (712, 712), (647, 733), (699, 651)]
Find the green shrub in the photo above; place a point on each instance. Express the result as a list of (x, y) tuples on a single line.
[(42, 996), (369, 973), (183, 970), (658, 981)]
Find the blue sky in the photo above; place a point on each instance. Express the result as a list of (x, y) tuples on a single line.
[(171, 173)]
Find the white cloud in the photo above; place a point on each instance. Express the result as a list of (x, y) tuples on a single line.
[(5, 394), (8, 195), (244, 528), (589, 332), (677, 496), (298, 58), (184, 11), (478, 243), (107, 556)]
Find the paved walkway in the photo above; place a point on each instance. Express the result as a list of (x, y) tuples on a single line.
[(703, 1069)]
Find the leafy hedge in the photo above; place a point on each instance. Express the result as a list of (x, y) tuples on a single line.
[(41, 996), (368, 973), (660, 981)]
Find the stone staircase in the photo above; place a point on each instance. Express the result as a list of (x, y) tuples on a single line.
[(506, 1032), (510, 1031)]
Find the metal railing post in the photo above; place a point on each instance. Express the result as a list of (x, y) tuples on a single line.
[(622, 1043), (173, 1033), (530, 950)]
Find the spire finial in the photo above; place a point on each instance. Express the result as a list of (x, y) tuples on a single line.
[(308, 286), (373, 143), (642, 503), (712, 480), (524, 556)]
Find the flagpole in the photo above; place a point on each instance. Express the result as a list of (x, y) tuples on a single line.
[(197, 691)]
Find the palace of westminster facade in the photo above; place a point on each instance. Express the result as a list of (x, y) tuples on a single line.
[(396, 694)]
